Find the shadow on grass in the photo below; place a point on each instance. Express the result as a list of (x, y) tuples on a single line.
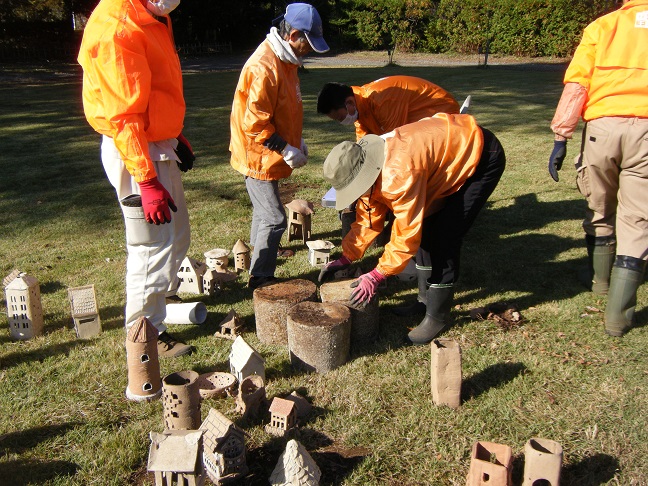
[(335, 462), (491, 377), (591, 471), (28, 471), (51, 287), (23, 440), (41, 354)]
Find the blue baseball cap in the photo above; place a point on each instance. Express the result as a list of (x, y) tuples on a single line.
[(304, 17)]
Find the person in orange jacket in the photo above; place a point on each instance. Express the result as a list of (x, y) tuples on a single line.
[(266, 128), (380, 107), (607, 84), (385, 104), (446, 156), (132, 96)]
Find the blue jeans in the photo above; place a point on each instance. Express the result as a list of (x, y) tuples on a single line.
[(268, 225)]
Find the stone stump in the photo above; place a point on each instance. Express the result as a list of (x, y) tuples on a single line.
[(319, 335), (364, 322), (181, 397), (271, 305), (445, 372)]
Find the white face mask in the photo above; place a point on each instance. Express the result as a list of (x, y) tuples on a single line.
[(162, 7), (350, 119)]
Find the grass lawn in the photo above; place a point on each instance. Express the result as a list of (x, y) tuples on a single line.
[(63, 416)]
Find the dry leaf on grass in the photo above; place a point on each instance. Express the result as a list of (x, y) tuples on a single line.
[(504, 314)]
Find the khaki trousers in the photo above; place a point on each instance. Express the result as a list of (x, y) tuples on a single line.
[(155, 255), (612, 174)]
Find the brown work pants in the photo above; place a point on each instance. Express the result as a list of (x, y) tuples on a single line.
[(613, 177)]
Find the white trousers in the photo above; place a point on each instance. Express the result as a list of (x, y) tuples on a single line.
[(155, 256)]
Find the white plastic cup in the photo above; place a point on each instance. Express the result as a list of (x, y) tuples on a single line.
[(186, 313)]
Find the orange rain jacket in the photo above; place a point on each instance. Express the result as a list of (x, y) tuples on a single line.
[(424, 161), (267, 100), (394, 101), (132, 81), (610, 64)]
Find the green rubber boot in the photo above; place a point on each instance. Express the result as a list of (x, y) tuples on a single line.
[(438, 301), (418, 307), (601, 251), (627, 275)]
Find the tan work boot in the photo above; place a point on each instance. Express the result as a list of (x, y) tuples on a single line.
[(170, 347)]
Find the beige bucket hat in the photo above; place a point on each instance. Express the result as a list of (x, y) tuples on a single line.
[(352, 168)]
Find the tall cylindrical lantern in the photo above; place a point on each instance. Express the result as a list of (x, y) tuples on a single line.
[(143, 365), (181, 397)]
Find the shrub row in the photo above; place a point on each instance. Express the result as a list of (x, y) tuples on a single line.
[(513, 27)]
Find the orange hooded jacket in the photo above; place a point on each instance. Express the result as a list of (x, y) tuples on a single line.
[(394, 101), (132, 81), (267, 100), (609, 68), (424, 161)]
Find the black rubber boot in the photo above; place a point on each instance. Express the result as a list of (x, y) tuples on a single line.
[(438, 301), (418, 307), (601, 251), (627, 275)]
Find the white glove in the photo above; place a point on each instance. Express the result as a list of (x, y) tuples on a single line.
[(304, 147), (294, 157)]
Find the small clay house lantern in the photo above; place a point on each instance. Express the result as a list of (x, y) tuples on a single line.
[(490, 463), (251, 396), (299, 220), (241, 256), (223, 448), (217, 259), (190, 276), (302, 406), (283, 417), (245, 360), (144, 382), (210, 282), (83, 305), (231, 326), (319, 252), (295, 467), (175, 456), (24, 309)]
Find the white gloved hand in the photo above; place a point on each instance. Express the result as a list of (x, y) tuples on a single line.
[(294, 157), (304, 147)]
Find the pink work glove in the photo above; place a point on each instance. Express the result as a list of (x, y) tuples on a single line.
[(365, 288), (157, 203), (328, 271)]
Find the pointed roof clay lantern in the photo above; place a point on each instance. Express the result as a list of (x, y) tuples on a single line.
[(241, 256)]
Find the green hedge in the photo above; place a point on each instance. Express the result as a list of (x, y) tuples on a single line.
[(513, 27)]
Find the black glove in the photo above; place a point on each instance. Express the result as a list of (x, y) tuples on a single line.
[(328, 271), (556, 158), (275, 143), (185, 154)]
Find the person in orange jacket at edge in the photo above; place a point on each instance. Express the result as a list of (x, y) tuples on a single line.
[(266, 128), (445, 156), (378, 108), (607, 84), (132, 96)]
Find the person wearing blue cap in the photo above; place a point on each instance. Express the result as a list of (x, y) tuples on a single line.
[(266, 128)]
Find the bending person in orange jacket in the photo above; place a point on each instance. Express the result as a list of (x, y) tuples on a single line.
[(132, 96), (607, 84), (385, 104), (406, 171), (266, 128), (380, 107)]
